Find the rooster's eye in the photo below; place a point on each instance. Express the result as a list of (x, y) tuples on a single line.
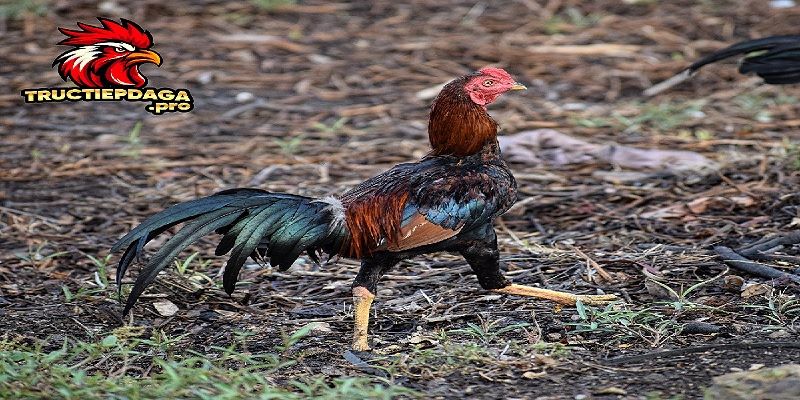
[(488, 82), (119, 49)]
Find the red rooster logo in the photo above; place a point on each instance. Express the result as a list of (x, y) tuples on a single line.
[(106, 56)]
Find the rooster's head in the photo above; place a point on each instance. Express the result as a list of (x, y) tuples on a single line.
[(485, 86), (106, 56)]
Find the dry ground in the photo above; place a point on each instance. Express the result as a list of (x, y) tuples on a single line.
[(334, 101)]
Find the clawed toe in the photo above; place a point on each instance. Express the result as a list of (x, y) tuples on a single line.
[(361, 346), (564, 298)]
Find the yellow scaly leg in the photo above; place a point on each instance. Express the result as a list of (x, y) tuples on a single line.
[(362, 302)]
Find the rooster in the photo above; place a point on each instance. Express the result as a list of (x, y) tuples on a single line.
[(776, 59), (444, 202), (106, 56)]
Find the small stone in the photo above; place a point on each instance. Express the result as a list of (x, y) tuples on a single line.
[(107, 138), (208, 315), (777, 383), (696, 114), (415, 339), (112, 8), (320, 59), (205, 77), (733, 283), (780, 334), (244, 97), (165, 308), (575, 106), (321, 327), (244, 55)]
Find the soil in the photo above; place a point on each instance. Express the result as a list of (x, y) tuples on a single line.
[(345, 79)]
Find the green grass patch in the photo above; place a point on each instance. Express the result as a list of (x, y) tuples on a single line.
[(19, 9), (621, 324), (757, 105), (661, 117), (123, 366)]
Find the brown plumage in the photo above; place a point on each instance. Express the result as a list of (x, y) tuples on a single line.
[(373, 218)]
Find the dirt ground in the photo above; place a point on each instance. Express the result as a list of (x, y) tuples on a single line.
[(313, 97)]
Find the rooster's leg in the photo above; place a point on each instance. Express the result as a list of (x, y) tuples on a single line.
[(364, 289), (362, 303), (484, 258)]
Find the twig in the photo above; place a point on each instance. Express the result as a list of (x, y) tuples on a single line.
[(600, 270), (735, 260), (30, 214), (768, 243)]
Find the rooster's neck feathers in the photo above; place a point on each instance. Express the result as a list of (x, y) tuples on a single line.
[(457, 125)]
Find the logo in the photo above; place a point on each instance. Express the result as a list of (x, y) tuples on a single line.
[(104, 64)]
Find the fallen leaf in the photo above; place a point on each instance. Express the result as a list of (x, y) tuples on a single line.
[(700, 206), (533, 375), (743, 201), (755, 289), (611, 390), (549, 146), (674, 211), (623, 177), (542, 359), (227, 314)]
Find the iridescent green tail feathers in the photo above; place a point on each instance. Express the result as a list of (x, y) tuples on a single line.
[(274, 227)]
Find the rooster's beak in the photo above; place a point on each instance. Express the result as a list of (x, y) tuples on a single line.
[(517, 86), (143, 56)]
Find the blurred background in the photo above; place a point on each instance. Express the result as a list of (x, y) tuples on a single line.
[(312, 97)]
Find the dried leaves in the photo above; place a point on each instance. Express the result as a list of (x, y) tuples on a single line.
[(547, 146)]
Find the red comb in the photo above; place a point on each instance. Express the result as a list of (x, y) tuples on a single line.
[(126, 31), (496, 73)]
